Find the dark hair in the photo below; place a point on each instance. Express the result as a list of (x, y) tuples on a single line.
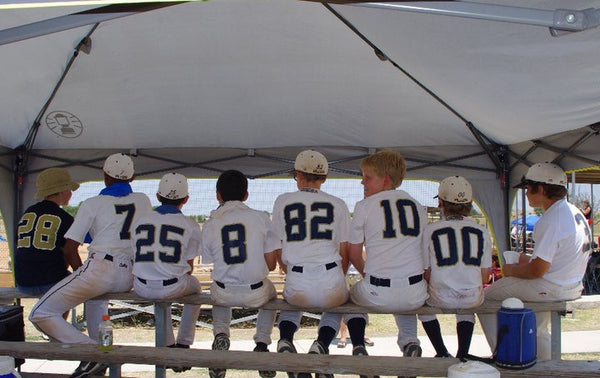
[(232, 185), (172, 202), (553, 192), (311, 177), (451, 208)]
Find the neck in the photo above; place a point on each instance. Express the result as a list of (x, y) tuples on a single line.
[(548, 202)]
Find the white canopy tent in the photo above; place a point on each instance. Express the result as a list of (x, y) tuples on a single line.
[(201, 87)]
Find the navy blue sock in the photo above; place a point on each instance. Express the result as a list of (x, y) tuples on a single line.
[(356, 328), (287, 330)]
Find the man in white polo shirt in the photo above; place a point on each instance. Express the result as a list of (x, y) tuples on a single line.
[(555, 270)]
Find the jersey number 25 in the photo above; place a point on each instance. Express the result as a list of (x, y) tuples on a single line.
[(169, 250)]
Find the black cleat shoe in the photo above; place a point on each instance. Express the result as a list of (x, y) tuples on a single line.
[(221, 342), (261, 347), (179, 369), (86, 369)]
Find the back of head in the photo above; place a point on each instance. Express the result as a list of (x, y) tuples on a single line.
[(311, 162), (548, 175), (232, 185), (119, 166), (544, 173), (456, 194), (387, 162), (52, 181), (173, 186), (455, 189)]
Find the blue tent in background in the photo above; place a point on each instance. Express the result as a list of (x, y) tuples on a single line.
[(530, 221)]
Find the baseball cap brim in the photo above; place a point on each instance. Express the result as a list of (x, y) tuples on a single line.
[(524, 182)]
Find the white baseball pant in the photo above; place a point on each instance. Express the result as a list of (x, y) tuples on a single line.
[(536, 290), (162, 289), (100, 274), (249, 296)]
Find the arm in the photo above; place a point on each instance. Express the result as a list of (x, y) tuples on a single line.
[(191, 263), (356, 257), (344, 247), (485, 275), (528, 270), (271, 259), (71, 254), (280, 262), (427, 274)]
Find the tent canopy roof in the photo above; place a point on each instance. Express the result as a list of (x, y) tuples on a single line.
[(205, 86)]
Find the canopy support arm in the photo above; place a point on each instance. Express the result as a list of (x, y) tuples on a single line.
[(76, 20), (559, 21)]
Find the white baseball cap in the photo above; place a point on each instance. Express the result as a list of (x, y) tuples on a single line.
[(119, 166), (311, 161), (546, 173), (173, 186), (455, 189)]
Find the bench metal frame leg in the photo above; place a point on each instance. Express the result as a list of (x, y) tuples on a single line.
[(555, 330), (161, 311)]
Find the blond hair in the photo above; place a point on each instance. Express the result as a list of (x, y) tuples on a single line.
[(387, 162)]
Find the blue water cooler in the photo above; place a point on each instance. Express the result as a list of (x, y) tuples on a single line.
[(516, 346)]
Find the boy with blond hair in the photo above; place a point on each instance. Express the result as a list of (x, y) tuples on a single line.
[(389, 223)]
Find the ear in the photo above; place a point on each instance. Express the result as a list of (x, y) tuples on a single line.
[(158, 197), (185, 199), (219, 198), (245, 197)]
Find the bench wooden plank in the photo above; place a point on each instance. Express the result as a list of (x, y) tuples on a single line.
[(332, 364), (489, 306)]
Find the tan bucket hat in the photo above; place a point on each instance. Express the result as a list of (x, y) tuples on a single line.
[(52, 181)]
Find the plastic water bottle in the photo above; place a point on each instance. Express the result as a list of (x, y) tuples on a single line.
[(7, 367), (106, 334)]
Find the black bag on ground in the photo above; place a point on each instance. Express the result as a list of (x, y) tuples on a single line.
[(12, 327)]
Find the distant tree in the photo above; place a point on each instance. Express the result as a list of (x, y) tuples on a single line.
[(72, 209)]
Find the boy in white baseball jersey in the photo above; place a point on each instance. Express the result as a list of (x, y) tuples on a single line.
[(562, 247), (166, 242), (107, 218), (242, 244), (313, 226), (458, 254), (389, 224)]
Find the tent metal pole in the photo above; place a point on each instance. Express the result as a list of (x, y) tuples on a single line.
[(559, 20), (75, 20)]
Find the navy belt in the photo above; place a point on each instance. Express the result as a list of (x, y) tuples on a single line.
[(386, 282), (165, 282), (252, 287), (300, 269)]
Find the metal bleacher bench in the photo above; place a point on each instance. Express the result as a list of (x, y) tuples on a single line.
[(370, 365)]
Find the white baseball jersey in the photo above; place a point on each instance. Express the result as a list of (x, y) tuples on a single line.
[(390, 224), (235, 239), (311, 224), (562, 237), (108, 220), (456, 249), (163, 241)]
